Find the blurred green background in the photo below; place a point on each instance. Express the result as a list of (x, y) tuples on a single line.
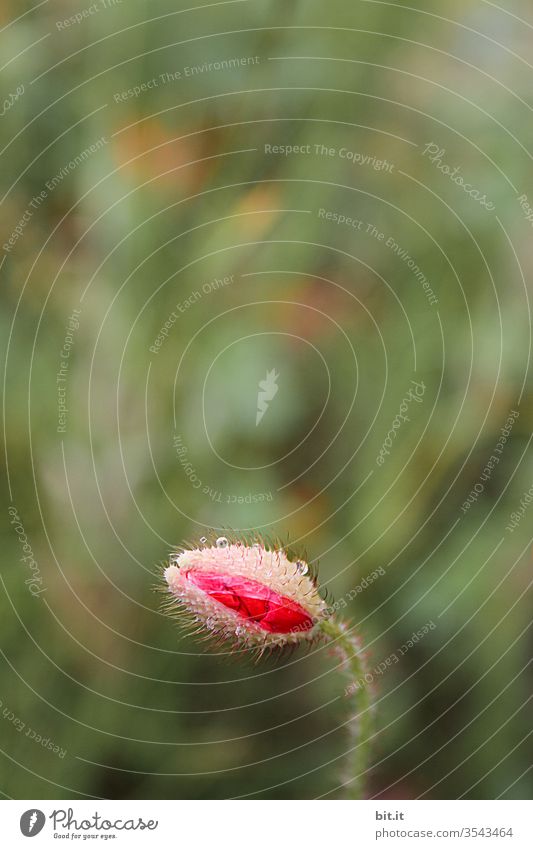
[(157, 445)]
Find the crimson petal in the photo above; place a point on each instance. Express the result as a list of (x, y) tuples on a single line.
[(253, 602)]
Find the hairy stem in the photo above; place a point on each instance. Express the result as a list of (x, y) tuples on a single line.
[(353, 665)]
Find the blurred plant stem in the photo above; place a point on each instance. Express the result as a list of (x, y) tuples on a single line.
[(353, 664)]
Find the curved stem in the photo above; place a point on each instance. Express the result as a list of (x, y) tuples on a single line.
[(347, 647)]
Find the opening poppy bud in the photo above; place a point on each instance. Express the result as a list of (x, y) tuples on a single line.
[(246, 592), (256, 597)]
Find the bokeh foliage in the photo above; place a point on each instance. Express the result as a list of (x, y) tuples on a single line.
[(168, 204)]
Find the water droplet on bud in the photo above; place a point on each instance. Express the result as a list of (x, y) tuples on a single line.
[(203, 540), (302, 568), (222, 542)]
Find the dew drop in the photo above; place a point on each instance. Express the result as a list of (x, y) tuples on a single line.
[(302, 568), (222, 542), (203, 540)]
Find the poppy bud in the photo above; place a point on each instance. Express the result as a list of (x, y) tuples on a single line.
[(253, 596), (246, 592)]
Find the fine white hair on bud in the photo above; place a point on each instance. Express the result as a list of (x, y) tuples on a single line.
[(248, 594)]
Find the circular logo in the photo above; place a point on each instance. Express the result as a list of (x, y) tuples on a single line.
[(32, 822)]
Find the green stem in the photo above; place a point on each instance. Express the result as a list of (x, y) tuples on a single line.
[(353, 666)]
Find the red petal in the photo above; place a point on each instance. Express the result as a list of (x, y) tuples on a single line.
[(254, 602)]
